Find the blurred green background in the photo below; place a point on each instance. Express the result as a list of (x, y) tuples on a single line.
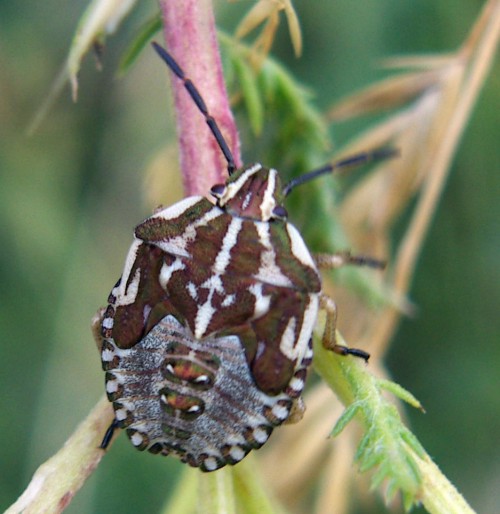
[(70, 195)]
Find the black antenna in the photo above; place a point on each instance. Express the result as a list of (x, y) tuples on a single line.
[(355, 160), (198, 100)]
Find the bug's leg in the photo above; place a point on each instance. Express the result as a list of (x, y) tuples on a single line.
[(296, 412), (329, 335), (339, 259), (108, 435), (96, 327)]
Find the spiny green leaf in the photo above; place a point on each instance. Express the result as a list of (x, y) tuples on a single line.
[(399, 392), (374, 456), (293, 133), (412, 466), (366, 453), (380, 475), (413, 442), (386, 444), (409, 500), (391, 490), (344, 419)]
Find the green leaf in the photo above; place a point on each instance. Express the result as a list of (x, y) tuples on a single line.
[(292, 133), (144, 34), (413, 443), (251, 94), (345, 418), (400, 392)]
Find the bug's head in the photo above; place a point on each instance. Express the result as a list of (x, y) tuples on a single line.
[(252, 192)]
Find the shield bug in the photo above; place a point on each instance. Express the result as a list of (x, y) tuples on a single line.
[(207, 334)]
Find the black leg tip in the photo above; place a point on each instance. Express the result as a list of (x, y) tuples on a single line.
[(356, 352), (108, 435)]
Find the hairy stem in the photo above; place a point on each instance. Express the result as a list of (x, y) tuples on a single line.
[(190, 35)]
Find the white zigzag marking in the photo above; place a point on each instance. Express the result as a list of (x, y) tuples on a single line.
[(214, 283), (269, 271), (299, 248)]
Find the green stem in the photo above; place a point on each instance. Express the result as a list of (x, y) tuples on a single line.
[(438, 494), (216, 492), (387, 445)]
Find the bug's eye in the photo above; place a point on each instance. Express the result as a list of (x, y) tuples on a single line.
[(280, 212), (218, 190)]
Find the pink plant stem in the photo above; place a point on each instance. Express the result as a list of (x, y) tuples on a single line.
[(190, 36)]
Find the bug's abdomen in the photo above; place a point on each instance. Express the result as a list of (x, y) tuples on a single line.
[(195, 399)]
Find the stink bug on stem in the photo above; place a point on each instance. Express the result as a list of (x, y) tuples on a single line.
[(207, 334)]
